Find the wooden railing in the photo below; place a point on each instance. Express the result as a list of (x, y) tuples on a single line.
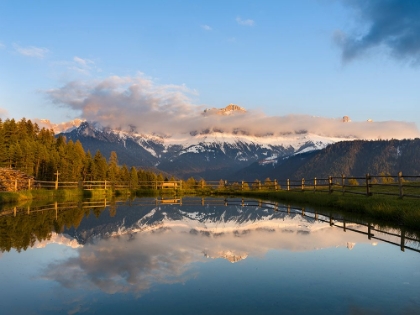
[(31, 184), (394, 185)]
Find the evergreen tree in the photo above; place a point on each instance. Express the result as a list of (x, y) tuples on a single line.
[(124, 174), (99, 166), (113, 170), (87, 173), (134, 180)]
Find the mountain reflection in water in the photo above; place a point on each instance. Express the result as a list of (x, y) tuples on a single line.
[(148, 244), (159, 244)]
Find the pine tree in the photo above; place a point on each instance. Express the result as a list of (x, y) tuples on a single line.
[(113, 170), (134, 180), (99, 166), (124, 174), (87, 173)]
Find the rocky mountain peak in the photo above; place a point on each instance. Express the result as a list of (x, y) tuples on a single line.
[(228, 110)]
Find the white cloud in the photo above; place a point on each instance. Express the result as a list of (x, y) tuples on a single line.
[(82, 62), (2, 46), (81, 65), (120, 102), (206, 27), (247, 22), (31, 51), (125, 102)]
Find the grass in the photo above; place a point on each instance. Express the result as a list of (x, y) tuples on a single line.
[(61, 195), (13, 197)]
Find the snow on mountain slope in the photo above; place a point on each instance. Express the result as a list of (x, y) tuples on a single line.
[(209, 153)]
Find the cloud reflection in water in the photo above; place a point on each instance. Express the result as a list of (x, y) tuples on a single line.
[(166, 253)]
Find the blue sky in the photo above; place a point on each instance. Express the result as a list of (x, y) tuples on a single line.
[(315, 57)]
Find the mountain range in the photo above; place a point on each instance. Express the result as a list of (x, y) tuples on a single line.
[(210, 155), (213, 154)]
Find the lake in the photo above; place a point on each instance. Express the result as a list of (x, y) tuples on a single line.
[(202, 256)]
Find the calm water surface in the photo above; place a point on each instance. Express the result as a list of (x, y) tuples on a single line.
[(153, 257)]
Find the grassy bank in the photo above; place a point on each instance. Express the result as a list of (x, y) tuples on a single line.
[(7, 197), (386, 208)]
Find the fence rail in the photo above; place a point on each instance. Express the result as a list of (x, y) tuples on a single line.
[(369, 185), (393, 185)]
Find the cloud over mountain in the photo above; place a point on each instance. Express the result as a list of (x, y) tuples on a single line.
[(137, 103)]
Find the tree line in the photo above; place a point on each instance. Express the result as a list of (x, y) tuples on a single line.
[(37, 152)]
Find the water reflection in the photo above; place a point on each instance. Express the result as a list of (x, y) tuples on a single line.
[(23, 227), (139, 245)]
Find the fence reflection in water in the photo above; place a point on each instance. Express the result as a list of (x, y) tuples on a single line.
[(395, 236)]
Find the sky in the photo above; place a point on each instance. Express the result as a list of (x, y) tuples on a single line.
[(142, 63)]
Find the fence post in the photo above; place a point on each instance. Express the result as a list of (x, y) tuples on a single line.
[(29, 184), (105, 185), (259, 185), (56, 179), (16, 184), (242, 185), (400, 183), (315, 184), (368, 193), (330, 189), (288, 184), (342, 183), (303, 184), (402, 244), (369, 231), (276, 185)]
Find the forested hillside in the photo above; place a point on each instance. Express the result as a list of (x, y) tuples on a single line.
[(351, 158), (27, 147)]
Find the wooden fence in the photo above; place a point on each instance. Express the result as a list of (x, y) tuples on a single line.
[(30, 184), (394, 185), (368, 185)]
